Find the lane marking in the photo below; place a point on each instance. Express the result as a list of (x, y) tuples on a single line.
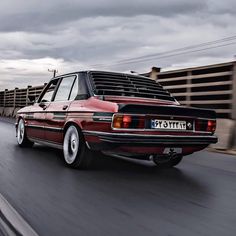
[(11, 220)]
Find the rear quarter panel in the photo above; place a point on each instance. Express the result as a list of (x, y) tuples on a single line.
[(85, 113)]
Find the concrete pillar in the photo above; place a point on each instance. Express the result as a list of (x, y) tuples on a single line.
[(154, 73), (4, 99), (234, 92), (189, 89), (224, 133), (27, 94), (14, 97), (233, 115)]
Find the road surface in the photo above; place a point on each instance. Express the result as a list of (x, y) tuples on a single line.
[(118, 197)]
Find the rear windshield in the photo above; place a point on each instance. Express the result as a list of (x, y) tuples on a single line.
[(116, 84)]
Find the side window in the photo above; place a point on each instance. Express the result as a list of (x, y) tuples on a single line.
[(83, 90), (64, 89), (47, 97), (75, 90), (80, 90)]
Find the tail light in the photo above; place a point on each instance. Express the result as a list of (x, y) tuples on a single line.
[(205, 125), (211, 126), (128, 122)]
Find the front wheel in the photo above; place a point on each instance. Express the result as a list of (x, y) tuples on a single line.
[(76, 154), (22, 139), (163, 162)]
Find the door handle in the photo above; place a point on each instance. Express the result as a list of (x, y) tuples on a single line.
[(65, 107)]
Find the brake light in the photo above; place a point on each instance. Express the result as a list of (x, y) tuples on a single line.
[(211, 126), (205, 125), (128, 122)]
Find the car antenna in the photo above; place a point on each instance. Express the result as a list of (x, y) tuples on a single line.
[(134, 72), (54, 72)]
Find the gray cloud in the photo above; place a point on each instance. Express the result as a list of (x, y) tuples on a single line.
[(43, 15), (74, 35), (221, 7)]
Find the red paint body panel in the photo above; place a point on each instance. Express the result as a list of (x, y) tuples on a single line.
[(35, 117), (55, 117)]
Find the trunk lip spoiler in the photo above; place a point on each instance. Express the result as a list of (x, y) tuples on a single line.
[(168, 110)]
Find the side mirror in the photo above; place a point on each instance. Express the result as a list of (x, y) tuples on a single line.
[(43, 105), (32, 98), (82, 97)]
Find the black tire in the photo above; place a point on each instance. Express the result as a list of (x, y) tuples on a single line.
[(22, 138), (168, 163), (75, 152)]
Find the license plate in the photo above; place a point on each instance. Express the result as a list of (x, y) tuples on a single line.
[(168, 124)]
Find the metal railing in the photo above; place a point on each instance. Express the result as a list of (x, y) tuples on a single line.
[(18, 98)]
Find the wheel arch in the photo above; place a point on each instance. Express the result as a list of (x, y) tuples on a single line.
[(18, 118), (69, 123)]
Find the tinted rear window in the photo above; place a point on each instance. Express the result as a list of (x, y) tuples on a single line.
[(116, 84)]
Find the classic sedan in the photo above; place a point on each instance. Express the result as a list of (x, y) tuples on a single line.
[(117, 114)]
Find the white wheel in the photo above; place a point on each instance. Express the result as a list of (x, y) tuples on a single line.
[(71, 144), (20, 132), (76, 154), (22, 139)]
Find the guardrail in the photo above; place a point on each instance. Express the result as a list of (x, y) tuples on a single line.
[(12, 100)]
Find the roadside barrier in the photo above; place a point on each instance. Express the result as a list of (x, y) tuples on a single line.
[(12, 100)]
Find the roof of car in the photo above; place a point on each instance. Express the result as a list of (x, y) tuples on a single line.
[(97, 71)]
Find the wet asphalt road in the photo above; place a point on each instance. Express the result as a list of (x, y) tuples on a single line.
[(118, 197)]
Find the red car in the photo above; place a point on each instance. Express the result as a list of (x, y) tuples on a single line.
[(117, 114)]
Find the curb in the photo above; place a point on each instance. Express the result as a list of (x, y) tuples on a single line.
[(223, 151), (11, 222)]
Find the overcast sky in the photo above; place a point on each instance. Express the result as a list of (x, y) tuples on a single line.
[(72, 35)]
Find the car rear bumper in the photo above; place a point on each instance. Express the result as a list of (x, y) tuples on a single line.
[(111, 140)]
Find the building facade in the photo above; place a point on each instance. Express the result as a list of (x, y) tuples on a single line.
[(212, 87)]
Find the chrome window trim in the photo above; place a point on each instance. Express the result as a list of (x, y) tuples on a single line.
[(58, 85)]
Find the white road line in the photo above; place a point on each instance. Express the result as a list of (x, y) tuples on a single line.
[(13, 218)]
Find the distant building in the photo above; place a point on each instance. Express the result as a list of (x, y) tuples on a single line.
[(212, 86)]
